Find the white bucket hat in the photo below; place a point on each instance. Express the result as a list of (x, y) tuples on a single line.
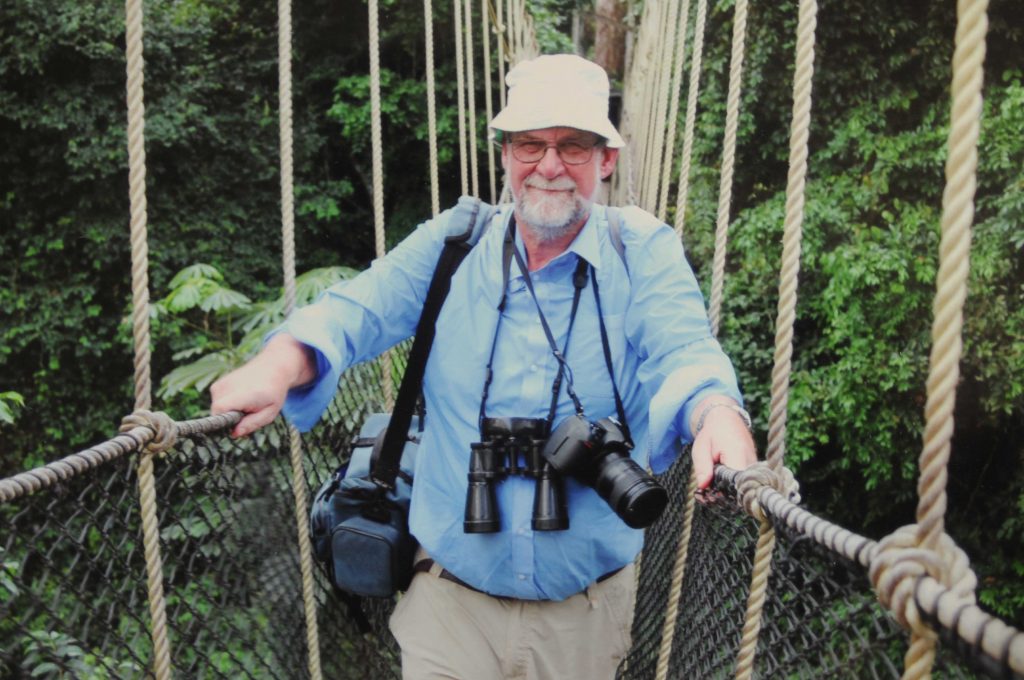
[(557, 90)]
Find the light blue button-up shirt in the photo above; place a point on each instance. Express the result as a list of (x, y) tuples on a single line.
[(664, 357)]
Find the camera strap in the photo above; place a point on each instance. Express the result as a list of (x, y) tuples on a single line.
[(579, 283), (608, 361)]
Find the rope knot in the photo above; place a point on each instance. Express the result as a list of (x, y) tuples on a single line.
[(164, 429), (898, 564), (750, 481)]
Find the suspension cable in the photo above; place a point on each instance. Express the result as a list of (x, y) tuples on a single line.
[(140, 331)]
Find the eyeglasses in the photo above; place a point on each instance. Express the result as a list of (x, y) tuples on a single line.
[(571, 151)]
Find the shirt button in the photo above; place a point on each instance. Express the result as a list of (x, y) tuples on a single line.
[(521, 577), (521, 532), (534, 368)]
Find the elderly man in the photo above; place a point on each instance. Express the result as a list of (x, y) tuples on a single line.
[(518, 598)]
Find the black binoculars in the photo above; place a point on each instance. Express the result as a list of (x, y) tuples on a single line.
[(512, 446), (595, 453)]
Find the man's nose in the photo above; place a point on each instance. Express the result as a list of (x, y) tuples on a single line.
[(550, 165)]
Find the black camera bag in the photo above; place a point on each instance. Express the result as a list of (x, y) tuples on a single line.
[(359, 518)]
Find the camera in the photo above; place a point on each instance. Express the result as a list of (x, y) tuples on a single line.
[(511, 446), (597, 454)]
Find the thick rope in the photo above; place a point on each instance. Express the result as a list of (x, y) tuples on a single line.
[(791, 232), (485, 30), (162, 439), (732, 114), (975, 629), (673, 112), (43, 477), (954, 256), (284, 70), (474, 171), (787, 314), (947, 344), (428, 32), (140, 330), (691, 105), (386, 379), (460, 88), (895, 569)]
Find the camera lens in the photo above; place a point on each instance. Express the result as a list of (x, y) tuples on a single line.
[(635, 495)]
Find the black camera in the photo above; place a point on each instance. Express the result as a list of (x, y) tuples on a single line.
[(597, 454), (512, 446)]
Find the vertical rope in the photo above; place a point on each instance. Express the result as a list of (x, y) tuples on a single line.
[(682, 550), (739, 30), (386, 378), (791, 231), (474, 172), (678, 59), (284, 70), (460, 88), (485, 31), (428, 30), (668, 628), (787, 314), (951, 291), (140, 331), (696, 59), (755, 600), (502, 40), (665, 13)]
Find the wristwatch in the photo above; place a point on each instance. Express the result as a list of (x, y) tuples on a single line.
[(722, 404)]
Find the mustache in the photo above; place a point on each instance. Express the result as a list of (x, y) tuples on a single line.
[(559, 184)]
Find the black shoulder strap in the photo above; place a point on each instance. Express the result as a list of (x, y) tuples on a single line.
[(466, 224)]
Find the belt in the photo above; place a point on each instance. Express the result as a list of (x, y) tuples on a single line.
[(427, 563)]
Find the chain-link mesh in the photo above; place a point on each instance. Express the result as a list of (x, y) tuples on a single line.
[(821, 618), (73, 594)]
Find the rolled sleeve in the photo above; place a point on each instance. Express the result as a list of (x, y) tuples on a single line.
[(681, 362), (357, 320)]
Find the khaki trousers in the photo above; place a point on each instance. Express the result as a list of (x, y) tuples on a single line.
[(449, 631)]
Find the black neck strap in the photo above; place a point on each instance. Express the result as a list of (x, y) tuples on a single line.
[(509, 253), (579, 283)]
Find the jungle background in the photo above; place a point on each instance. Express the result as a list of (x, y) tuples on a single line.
[(880, 117)]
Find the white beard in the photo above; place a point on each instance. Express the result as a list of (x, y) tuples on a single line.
[(552, 215)]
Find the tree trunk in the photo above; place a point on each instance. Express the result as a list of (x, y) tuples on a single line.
[(610, 36)]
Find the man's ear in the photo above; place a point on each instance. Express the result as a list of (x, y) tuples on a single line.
[(609, 157), (504, 155)]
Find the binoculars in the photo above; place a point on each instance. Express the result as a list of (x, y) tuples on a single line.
[(595, 453), (512, 446)]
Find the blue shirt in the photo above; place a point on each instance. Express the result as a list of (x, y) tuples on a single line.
[(664, 357)]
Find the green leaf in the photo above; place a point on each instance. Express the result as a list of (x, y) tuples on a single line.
[(197, 375)]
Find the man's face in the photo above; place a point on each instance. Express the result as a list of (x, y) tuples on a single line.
[(553, 196)]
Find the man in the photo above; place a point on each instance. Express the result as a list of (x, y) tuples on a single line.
[(519, 602)]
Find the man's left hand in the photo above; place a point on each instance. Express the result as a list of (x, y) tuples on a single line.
[(723, 438)]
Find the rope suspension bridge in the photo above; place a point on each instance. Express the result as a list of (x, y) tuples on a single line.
[(744, 583)]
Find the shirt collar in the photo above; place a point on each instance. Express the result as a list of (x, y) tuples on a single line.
[(586, 245)]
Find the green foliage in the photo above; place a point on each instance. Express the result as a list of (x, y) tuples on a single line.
[(10, 402), (217, 328), (868, 268), (54, 655)]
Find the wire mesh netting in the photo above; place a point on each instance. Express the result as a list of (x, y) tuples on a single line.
[(73, 598)]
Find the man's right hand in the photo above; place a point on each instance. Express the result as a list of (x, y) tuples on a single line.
[(258, 389)]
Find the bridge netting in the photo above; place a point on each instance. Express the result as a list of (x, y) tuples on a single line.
[(73, 599)]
